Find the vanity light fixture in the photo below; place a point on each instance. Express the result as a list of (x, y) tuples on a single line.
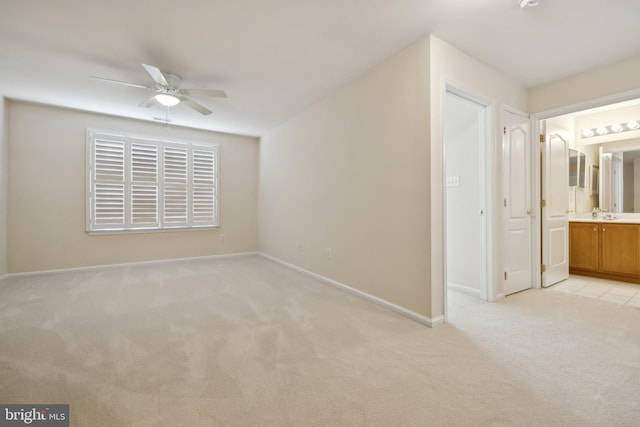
[(167, 99), (614, 128)]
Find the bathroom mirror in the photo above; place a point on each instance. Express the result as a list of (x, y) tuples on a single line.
[(620, 177), (576, 168), (573, 168), (582, 166), (594, 181)]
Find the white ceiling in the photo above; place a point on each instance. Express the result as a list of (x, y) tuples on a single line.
[(276, 57)]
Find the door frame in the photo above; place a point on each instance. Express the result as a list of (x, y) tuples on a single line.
[(535, 167), (488, 184)]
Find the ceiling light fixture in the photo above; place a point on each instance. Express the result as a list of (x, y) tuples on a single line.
[(167, 100), (528, 3), (614, 128)]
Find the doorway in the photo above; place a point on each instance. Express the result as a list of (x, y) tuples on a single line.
[(564, 130), (468, 132)]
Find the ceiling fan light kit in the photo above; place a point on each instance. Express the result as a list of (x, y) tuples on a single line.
[(166, 99), (168, 93)]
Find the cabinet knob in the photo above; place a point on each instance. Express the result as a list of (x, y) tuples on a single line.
[(595, 229)]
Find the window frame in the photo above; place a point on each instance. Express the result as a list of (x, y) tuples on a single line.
[(209, 191)]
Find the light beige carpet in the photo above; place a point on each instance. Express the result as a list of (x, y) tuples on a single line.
[(246, 342)]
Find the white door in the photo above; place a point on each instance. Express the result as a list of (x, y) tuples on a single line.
[(616, 181), (517, 203), (605, 181), (555, 221)]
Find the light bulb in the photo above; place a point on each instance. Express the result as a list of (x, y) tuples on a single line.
[(617, 128), (633, 125), (167, 100), (587, 133), (602, 130)]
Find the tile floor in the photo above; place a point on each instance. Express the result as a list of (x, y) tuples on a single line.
[(627, 294)]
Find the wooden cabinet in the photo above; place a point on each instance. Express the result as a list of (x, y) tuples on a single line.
[(583, 245), (619, 247), (609, 250)]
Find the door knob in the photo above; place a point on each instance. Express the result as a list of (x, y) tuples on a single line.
[(568, 210), (528, 211)]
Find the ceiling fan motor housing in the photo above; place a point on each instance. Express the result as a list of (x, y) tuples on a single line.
[(173, 80)]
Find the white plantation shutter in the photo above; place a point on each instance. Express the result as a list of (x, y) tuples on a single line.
[(176, 198), (143, 183), (107, 177), (203, 189)]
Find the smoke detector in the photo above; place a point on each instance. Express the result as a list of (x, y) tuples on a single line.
[(528, 3)]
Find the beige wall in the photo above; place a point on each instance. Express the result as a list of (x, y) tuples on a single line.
[(351, 173), (449, 65), (361, 172), (4, 177), (47, 194), (610, 80)]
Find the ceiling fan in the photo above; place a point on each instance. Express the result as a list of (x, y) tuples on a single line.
[(167, 90)]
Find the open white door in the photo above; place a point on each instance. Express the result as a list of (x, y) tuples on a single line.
[(605, 181), (616, 181), (555, 221), (517, 203)]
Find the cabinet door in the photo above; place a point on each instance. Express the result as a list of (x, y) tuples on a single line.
[(620, 244), (583, 245)]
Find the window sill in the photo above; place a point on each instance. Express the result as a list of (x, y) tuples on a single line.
[(150, 230)]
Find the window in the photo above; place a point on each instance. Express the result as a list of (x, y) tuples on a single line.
[(138, 183)]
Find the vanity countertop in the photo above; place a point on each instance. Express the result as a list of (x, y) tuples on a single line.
[(618, 220)]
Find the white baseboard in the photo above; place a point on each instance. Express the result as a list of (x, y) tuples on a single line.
[(128, 264), (464, 289), (430, 322)]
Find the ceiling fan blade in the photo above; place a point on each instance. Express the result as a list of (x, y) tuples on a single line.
[(148, 103), (156, 74), (199, 108), (118, 82), (214, 93)]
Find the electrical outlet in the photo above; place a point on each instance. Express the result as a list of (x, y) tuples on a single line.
[(299, 247), (328, 252), (222, 237)]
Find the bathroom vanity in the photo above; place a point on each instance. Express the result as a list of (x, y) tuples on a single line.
[(607, 249)]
